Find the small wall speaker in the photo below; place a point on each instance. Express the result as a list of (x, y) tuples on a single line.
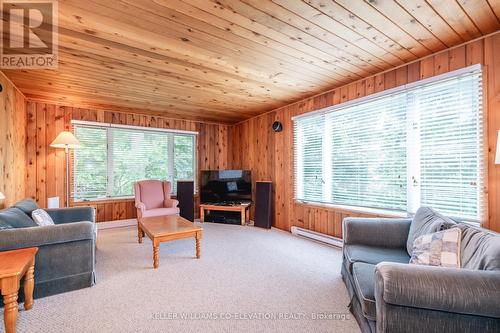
[(185, 196), (263, 205), (277, 126)]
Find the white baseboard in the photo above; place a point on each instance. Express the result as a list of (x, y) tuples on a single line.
[(116, 224), (318, 237)]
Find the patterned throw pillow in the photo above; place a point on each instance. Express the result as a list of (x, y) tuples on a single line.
[(441, 248), (41, 217)]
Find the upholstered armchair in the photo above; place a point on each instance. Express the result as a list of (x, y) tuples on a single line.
[(152, 198)]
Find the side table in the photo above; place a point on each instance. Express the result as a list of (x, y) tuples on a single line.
[(14, 265)]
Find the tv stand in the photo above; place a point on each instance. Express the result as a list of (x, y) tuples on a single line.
[(243, 208)]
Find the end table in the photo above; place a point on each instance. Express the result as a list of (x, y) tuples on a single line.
[(14, 265)]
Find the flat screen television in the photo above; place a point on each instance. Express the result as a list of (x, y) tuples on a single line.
[(225, 186)]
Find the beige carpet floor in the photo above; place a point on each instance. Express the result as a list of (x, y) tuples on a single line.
[(247, 280)]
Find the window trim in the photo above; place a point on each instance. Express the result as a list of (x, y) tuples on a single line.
[(141, 128), (103, 125), (398, 89)]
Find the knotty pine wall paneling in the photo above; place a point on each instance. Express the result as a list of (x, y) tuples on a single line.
[(12, 142), (270, 155), (45, 175), (229, 60)]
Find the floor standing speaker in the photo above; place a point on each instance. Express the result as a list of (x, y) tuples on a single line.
[(263, 205), (185, 196)]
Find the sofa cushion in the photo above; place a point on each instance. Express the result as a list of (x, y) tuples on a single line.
[(373, 255), (480, 248), (27, 205), (16, 218), (364, 285), (4, 225), (426, 221)]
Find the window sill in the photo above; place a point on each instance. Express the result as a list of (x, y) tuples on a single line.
[(379, 212), (356, 209), (103, 200), (114, 199)]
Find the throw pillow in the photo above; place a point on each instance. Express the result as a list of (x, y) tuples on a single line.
[(426, 221), (16, 218), (441, 248), (27, 205), (41, 217)]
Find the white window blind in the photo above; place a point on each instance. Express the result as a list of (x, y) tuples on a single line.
[(309, 171), (416, 145), (183, 158), (368, 160), (136, 155), (90, 168), (111, 159), (451, 146)]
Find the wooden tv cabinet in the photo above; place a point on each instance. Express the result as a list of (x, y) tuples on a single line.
[(244, 210)]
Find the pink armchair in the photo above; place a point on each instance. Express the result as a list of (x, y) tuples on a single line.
[(152, 198)]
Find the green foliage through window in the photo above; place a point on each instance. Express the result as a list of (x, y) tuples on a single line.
[(110, 160)]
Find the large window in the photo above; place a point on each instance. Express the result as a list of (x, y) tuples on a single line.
[(416, 145), (112, 157)]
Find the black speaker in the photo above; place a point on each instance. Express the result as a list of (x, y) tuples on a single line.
[(263, 205), (185, 196)]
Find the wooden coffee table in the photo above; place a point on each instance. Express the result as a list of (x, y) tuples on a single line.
[(167, 228), (14, 265)]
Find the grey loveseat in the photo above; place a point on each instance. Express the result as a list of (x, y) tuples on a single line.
[(66, 251), (390, 295)]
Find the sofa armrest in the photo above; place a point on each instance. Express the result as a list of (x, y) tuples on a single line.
[(73, 214), (385, 232), (45, 235), (463, 291)]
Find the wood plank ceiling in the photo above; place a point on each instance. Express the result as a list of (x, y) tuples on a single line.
[(229, 60)]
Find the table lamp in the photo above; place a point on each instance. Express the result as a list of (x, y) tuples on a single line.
[(67, 141)]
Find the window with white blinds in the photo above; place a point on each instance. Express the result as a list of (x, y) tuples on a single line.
[(111, 158), (90, 167), (451, 146), (416, 145), (368, 154), (309, 157)]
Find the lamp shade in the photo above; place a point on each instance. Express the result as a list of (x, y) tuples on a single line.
[(2, 196), (65, 140), (497, 157)]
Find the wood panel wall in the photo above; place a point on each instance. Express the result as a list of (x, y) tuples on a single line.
[(269, 155), (45, 175), (12, 142)]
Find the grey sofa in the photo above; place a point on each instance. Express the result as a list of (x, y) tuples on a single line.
[(66, 250), (390, 295)]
